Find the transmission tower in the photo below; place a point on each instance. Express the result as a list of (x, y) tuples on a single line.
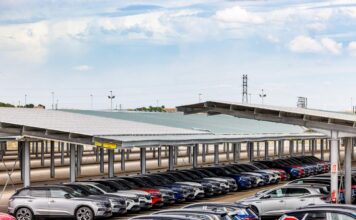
[(244, 89)]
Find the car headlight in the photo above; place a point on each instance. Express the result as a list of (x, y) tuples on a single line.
[(101, 204)]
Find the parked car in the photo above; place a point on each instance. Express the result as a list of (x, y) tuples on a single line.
[(283, 174), (293, 172), (56, 201), (273, 175), (181, 192), (118, 203), (155, 194), (164, 217), (201, 214), (167, 194), (261, 178), (329, 213), (4, 216), (225, 184), (242, 211), (197, 188), (243, 181), (284, 198), (132, 201), (144, 198), (233, 186)]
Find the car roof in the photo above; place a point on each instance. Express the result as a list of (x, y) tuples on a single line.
[(218, 212), (336, 206), (220, 204), (163, 216), (324, 209)]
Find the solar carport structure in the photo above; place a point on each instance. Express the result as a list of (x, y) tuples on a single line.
[(28, 125), (334, 124)]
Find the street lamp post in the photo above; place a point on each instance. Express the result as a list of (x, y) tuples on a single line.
[(111, 97), (263, 95)]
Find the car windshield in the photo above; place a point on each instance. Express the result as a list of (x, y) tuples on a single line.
[(250, 167), (209, 173), (161, 181), (230, 169), (260, 165), (106, 188), (119, 185), (199, 173), (191, 175), (92, 190), (74, 193), (239, 169), (140, 182), (184, 176), (129, 184)]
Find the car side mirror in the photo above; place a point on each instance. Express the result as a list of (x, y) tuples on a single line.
[(266, 197), (67, 196)]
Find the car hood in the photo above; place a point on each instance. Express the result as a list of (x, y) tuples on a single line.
[(91, 199), (217, 179), (124, 194), (138, 192), (190, 184)]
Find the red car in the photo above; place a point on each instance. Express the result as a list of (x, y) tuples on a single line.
[(4, 216), (157, 199)]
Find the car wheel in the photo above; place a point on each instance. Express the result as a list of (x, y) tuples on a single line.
[(255, 210), (84, 213), (24, 214)]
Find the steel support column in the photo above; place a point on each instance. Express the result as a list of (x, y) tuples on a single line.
[(52, 165), (26, 164), (195, 156), (36, 149), (322, 141), (234, 150), (291, 147), (313, 146), (143, 160), (62, 153), (189, 154), (334, 159), (348, 168), (216, 154), (227, 146), (170, 158), (102, 160), (176, 154), (238, 151), (250, 150), (203, 153), (72, 161), (79, 158), (258, 150), (303, 147), (159, 156), (110, 163), (42, 154), (122, 161), (266, 150), (280, 148), (275, 149)]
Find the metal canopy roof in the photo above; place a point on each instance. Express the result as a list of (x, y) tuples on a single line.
[(145, 141), (219, 124), (86, 129), (310, 118), (78, 128)]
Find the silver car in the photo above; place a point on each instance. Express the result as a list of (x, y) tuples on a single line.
[(289, 197), (56, 201)]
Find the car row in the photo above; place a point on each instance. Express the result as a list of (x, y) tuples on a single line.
[(205, 211), (114, 196), (297, 167)]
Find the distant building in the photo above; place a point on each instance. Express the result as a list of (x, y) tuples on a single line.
[(170, 109)]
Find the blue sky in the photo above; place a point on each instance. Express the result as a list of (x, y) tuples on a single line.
[(171, 51)]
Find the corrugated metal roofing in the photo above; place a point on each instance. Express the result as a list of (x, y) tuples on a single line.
[(84, 124), (218, 124)]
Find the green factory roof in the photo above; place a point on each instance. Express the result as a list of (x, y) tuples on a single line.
[(218, 124)]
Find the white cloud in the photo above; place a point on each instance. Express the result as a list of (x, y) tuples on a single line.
[(238, 14), (352, 48), (331, 45), (305, 44), (82, 68), (25, 42)]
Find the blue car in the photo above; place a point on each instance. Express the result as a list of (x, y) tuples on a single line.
[(243, 181), (243, 212)]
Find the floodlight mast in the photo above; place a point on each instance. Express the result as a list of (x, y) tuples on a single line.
[(263, 95), (111, 97)]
